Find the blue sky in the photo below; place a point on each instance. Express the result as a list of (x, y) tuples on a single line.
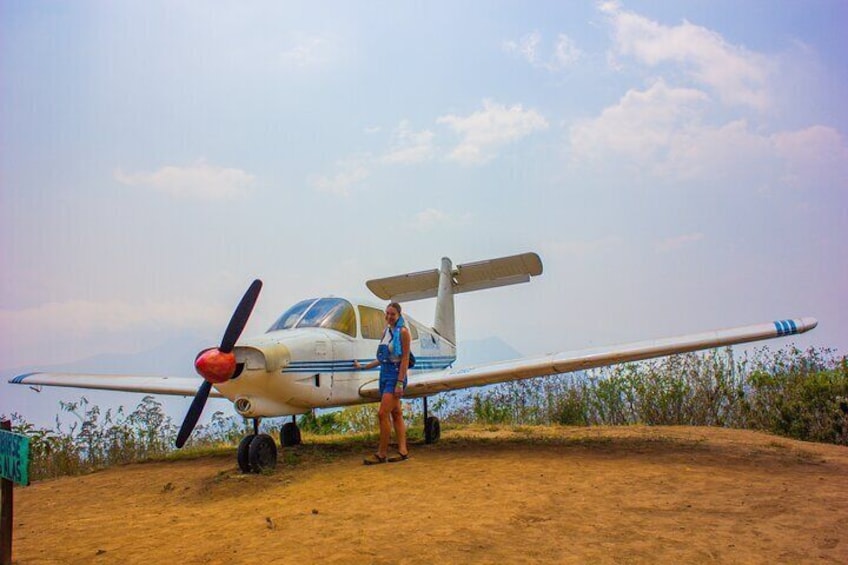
[(679, 166)]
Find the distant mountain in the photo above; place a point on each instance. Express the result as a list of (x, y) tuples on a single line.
[(486, 350), (175, 357)]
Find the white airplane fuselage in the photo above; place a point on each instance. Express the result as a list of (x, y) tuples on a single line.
[(291, 371)]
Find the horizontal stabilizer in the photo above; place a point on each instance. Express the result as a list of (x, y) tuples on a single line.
[(466, 278)]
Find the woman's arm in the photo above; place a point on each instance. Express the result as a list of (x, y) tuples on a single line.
[(370, 365)]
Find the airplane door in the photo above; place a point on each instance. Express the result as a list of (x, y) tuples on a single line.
[(324, 371), (343, 354)]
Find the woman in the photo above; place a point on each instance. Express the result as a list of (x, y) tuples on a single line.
[(393, 358)]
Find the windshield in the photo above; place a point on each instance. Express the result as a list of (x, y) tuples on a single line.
[(331, 313), (292, 315)]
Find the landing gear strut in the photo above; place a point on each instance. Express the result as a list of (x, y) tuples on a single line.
[(257, 452), (432, 428), (290, 434)]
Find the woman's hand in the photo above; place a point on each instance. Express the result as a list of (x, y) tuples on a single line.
[(356, 365), (399, 389)]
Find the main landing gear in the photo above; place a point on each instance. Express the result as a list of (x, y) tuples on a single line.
[(290, 434), (258, 452), (432, 429)]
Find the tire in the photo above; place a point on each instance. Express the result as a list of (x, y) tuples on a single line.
[(262, 454), (432, 430), (289, 435), (243, 453)]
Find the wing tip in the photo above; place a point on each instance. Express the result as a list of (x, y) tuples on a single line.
[(792, 326), (808, 323), (19, 380)]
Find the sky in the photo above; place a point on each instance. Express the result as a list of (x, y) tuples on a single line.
[(678, 166)]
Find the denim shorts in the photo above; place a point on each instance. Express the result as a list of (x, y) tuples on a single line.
[(389, 373)]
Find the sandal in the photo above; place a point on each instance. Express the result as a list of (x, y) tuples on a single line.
[(375, 459), (400, 457)]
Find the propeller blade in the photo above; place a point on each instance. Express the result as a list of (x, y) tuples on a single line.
[(193, 414), (231, 335), (240, 316)]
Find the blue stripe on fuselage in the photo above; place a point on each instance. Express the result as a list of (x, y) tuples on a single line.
[(421, 363)]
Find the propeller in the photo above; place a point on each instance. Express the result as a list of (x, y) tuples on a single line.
[(218, 364)]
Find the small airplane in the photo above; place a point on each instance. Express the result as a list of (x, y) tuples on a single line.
[(306, 358)]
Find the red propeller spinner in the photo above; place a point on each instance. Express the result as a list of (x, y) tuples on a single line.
[(215, 366)]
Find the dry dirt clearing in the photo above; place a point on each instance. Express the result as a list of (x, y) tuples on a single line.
[(482, 495)]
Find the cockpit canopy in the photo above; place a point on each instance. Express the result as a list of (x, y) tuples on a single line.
[(329, 313)]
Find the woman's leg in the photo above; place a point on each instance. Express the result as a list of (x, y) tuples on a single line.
[(400, 427), (386, 405)]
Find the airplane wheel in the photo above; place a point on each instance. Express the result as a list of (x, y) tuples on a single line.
[(290, 435), (262, 453), (432, 430), (243, 452)]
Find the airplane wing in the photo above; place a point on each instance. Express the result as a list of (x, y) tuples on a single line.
[(177, 386), (422, 384)]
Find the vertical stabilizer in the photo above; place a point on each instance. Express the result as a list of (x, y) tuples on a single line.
[(444, 323)]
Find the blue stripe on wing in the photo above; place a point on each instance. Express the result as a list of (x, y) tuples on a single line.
[(20, 378)]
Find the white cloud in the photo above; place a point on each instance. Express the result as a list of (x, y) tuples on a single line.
[(352, 173), (200, 180), (640, 126), (406, 147), (564, 53), (677, 242), (737, 75), (730, 151), (662, 132), (431, 219), (409, 146), (484, 131), (526, 47), (814, 156), (309, 50)]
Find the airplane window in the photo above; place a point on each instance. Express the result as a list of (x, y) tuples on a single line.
[(331, 313), (292, 315), (373, 322)]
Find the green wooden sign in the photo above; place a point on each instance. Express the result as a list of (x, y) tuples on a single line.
[(14, 457)]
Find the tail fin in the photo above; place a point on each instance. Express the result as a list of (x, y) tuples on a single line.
[(444, 323), (446, 281)]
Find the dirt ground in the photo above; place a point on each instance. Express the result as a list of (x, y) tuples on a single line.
[(511, 495)]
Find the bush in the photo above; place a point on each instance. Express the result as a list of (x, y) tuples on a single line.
[(800, 394), (321, 424)]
